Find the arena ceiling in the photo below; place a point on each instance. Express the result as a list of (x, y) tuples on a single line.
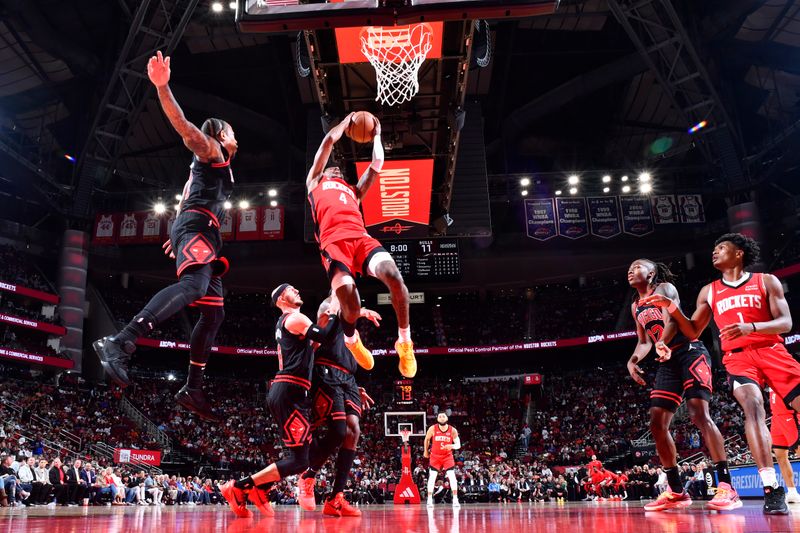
[(564, 92)]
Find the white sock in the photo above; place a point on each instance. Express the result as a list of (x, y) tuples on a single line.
[(351, 340), (432, 474), (404, 334), (768, 477), (792, 490)]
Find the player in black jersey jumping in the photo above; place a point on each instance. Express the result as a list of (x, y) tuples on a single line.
[(684, 372), (195, 243), (288, 401), (337, 402)]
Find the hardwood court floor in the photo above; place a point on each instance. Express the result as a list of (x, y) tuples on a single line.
[(503, 518)]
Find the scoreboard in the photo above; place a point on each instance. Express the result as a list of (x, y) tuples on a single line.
[(427, 260), (403, 392)]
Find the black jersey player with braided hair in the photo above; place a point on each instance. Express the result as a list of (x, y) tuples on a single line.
[(684, 372), (195, 243)]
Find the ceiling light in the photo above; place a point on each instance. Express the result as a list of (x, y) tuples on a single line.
[(645, 188), (159, 208), (644, 177), (244, 204), (626, 188), (606, 189), (558, 192), (573, 190), (227, 204), (272, 193), (624, 178), (216, 7), (606, 179), (525, 182), (273, 203), (573, 179)]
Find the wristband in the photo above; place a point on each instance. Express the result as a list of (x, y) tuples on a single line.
[(754, 326), (672, 307)]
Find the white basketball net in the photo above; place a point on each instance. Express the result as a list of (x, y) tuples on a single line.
[(396, 54)]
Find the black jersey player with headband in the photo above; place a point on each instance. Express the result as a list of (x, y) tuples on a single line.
[(195, 243)]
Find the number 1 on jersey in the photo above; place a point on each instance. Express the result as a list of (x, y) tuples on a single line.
[(741, 318)]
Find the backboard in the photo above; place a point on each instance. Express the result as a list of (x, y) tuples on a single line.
[(396, 421)]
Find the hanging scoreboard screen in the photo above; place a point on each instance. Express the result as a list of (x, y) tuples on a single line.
[(403, 392), (427, 260)]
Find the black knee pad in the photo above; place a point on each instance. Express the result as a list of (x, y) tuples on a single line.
[(194, 282), (295, 462), (212, 315)]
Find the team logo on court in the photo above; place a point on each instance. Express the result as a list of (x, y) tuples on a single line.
[(397, 229)]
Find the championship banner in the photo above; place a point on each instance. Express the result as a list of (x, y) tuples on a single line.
[(128, 229), (540, 218), (247, 224), (105, 226), (31, 293), (169, 222), (272, 223), (604, 216), (226, 226), (47, 360), (690, 207), (637, 217), (33, 324), (147, 457), (398, 204), (572, 217), (152, 226), (665, 209)]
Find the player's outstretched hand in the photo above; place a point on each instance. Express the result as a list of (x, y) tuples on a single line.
[(734, 331), (336, 132), (371, 315), (636, 373), (663, 353), (158, 70), (658, 300), (377, 129), (167, 247), (366, 400)]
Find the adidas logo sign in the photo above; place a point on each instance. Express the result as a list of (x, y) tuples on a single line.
[(408, 493)]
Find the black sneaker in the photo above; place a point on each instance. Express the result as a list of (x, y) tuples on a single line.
[(195, 400), (115, 355), (775, 501)]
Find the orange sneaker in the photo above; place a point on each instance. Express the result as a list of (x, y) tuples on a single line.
[(340, 507), (362, 356), (260, 498), (408, 363), (237, 499), (725, 499), (670, 500), (306, 497)]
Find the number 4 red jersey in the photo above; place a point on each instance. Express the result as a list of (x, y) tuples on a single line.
[(335, 208), (745, 301)]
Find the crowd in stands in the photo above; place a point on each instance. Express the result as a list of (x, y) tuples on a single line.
[(17, 268)]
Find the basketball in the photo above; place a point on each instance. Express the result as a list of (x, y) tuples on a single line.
[(361, 127)]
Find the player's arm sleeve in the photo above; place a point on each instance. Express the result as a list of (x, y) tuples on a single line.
[(670, 325), (320, 334), (373, 170), (456, 442)]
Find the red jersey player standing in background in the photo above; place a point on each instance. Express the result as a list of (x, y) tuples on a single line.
[(347, 249), (442, 439), (785, 433), (751, 313)]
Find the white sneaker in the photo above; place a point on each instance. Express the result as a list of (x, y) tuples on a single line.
[(456, 503), (792, 497), (51, 505), (430, 502)]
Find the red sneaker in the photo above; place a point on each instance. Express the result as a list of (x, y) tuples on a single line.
[(237, 499), (725, 499), (340, 506), (669, 500), (306, 498), (260, 498)]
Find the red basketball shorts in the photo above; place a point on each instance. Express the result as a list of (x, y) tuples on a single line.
[(442, 463), (769, 365), (351, 256)]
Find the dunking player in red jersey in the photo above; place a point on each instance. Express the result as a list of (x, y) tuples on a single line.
[(196, 240), (288, 401), (785, 432), (684, 371), (442, 439), (338, 402), (348, 250), (751, 313)]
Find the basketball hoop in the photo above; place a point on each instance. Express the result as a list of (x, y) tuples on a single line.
[(405, 434), (396, 53)]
